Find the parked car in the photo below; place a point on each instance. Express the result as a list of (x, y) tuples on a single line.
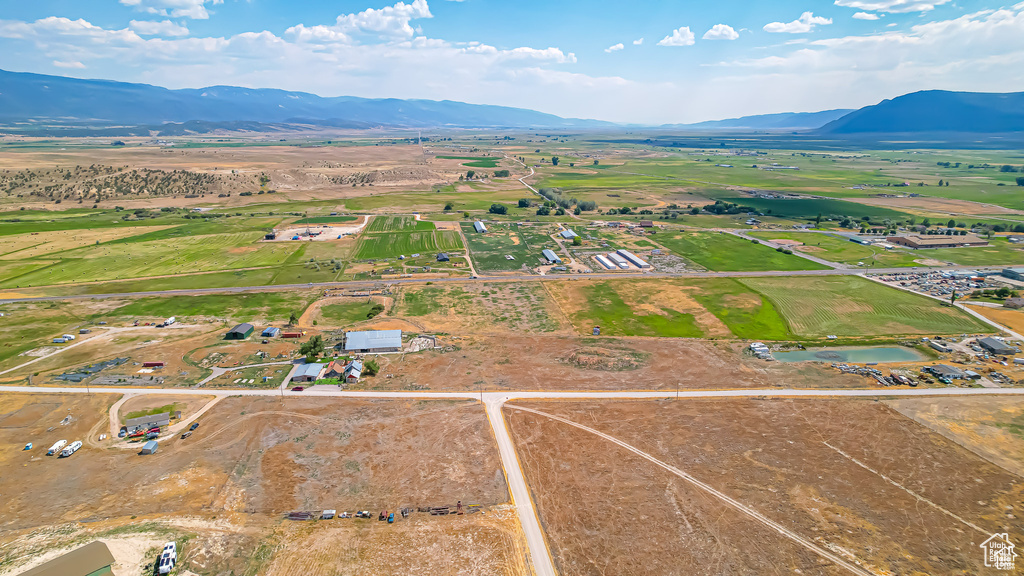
[(153, 429), (193, 426), (28, 446), (168, 558), (298, 389), (186, 434), (152, 435)]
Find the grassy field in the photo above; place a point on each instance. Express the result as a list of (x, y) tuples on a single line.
[(476, 161), (746, 313), (325, 220), (810, 207), (727, 253), (27, 325), (852, 306), (999, 252), (607, 307), (391, 236), (489, 307), (345, 313), (488, 250), (841, 250), (258, 306)]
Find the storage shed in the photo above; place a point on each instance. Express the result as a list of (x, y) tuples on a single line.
[(996, 346), (634, 259), (479, 226), (373, 341), (240, 332), (149, 447), (270, 332), (442, 257), (93, 559), (551, 256), (308, 373), (568, 234)]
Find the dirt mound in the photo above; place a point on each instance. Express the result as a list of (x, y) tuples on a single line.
[(592, 358)]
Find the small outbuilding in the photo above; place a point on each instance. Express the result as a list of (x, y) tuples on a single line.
[(442, 257), (568, 234), (551, 257), (240, 332), (479, 226), (308, 373), (149, 447), (270, 332), (93, 559)]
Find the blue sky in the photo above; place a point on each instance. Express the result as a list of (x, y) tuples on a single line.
[(643, 61)]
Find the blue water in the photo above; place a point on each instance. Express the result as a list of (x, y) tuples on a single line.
[(858, 355)]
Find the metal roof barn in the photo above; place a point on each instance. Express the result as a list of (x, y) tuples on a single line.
[(373, 341), (93, 558), (271, 332), (551, 256), (479, 226), (240, 332), (308, 373), (638, 262), (996, 347), (568, 234), (604, 262)]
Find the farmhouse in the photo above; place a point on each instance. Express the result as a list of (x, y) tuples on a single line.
[(308, 373), (647, 224), (373, 341), (917, 242), (479, 226), (551, 256), (996, 346), (352, 372), (93, 559), (147, 422), (240, 332)]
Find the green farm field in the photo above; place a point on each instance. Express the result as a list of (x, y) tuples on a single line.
[(345, 313), (391, 236), (474, 161), (843, 251), (853, 306), (245, 307), (726, 253), (488, 250)]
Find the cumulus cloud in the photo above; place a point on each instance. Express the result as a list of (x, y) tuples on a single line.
[(721, 32), (866, 16), (805, 23), (892, 5), (195, 9), (614, 48), (163, 28), (679, 37), (68, 64), (391, 22), (638, 41)]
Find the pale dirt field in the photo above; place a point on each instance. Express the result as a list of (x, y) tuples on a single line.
[(607, 511), (942, 205), (254, 459), (1012, 319)]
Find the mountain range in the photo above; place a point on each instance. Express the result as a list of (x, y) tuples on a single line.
[(55, 105)]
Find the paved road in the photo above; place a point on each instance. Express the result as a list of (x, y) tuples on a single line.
[(741, 234), (516, 278)]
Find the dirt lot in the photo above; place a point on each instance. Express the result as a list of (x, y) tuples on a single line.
[(187, 404), (814, 466), (253, 459), (548, 362), (1012, 319)]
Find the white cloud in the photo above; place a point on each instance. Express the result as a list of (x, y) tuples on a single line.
[(195, 9), (866, 16), (679, 37), (387, 22), (892, 5), (805, 23), (721, 32), (164, 28), (614, 48), (68, 64), (638, 41)]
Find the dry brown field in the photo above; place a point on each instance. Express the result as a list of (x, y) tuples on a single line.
[(853, 477), (251, 461)]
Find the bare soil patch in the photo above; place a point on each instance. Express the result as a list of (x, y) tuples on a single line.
[(818, 467), (187, 404), (943, 205)]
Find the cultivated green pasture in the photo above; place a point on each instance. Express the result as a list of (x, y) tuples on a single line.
[(390, 236), (999, 252), (265, 307), (853, 306), (842, 250), (488, 250), (345, 313), (725, 253)]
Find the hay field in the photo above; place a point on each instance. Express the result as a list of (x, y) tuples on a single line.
[(727, 253), (852, 306)]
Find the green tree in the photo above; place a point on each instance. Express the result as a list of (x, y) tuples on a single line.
[(371, 367), (448, 206), (694, 210), (524, 202), (577, 241), (951, 223), (1020, 180), (543, 211), (293, 319), (470, 174), (595, 162), (498, 209), (940, 183), (313, 349), (554, 160), (575, 211)]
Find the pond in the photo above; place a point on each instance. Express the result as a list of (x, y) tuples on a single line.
[(857, 355)]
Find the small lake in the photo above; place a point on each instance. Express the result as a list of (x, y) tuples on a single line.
[(857, 355)]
